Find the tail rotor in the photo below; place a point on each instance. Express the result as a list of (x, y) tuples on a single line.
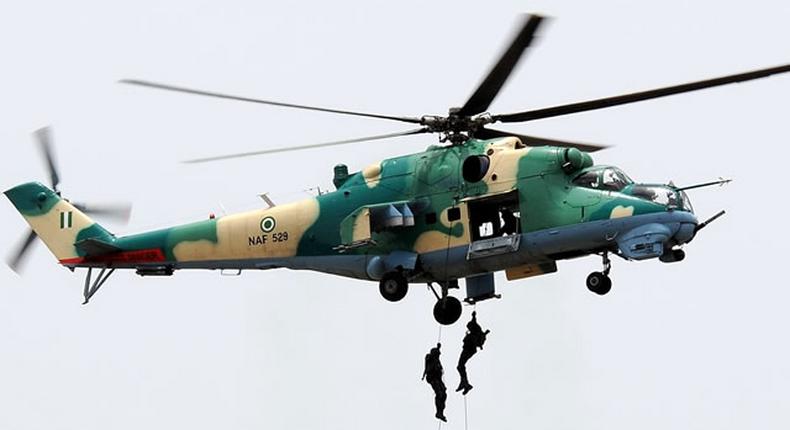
[(118, 212), (17, 258)]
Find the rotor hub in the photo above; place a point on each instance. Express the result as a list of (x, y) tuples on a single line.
[(456, 128)]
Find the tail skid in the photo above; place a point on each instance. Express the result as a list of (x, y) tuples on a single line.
[(93, 285)]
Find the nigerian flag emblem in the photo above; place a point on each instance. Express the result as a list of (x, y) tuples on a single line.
[(268, 224), (66, 219)]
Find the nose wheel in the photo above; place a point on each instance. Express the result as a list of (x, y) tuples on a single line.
[(599, 282)]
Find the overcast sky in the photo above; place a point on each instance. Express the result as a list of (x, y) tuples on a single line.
[(696, 345)]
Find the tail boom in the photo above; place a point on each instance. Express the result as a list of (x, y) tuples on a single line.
[(240, 240)]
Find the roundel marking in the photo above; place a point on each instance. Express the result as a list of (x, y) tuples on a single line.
[(268, 224)]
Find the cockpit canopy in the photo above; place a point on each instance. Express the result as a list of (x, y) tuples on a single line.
[(663, 195), (603, 178), (656, 194), (609, 178)]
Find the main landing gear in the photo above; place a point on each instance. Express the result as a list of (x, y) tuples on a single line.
[(599, 282), (447, 309), (393, 286)]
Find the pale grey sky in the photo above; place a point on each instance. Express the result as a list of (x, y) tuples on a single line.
[(696, 345)]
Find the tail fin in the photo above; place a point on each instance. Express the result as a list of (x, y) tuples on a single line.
[(56, 221)]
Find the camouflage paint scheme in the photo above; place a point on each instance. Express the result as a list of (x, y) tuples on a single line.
[(331, 232)]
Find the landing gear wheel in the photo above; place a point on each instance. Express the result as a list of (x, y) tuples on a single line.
[(599, 283), (393, 286), (447, 310)]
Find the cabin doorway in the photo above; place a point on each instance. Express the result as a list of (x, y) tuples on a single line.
[(495, 216), (494, 224)]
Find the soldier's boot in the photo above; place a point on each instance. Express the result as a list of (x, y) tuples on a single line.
[(463, 385)]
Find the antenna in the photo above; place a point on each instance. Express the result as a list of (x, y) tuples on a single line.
[(265, 198)]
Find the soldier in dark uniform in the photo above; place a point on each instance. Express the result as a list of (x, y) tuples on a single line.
[(475, 338), (433, 375), (510, 220)]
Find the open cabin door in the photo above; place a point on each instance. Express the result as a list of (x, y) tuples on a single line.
[(494, 224)]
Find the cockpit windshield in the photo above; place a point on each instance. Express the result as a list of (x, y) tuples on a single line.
[(657, 194), (603, 178), (686, 202)]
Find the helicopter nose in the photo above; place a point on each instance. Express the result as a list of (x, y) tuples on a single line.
[(688, 226)]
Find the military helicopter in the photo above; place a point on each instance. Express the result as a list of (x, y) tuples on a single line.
[(484, 200)]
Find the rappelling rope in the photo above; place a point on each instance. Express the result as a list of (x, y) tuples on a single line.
[(466, 409), (447, 250), (466, 413), (466, 416), (439, 340)]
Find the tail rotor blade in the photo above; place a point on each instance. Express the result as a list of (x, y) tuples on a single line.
[(18, 258), (119, 211), (44, 138)]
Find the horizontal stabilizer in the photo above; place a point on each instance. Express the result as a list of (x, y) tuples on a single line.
[(95, 247)]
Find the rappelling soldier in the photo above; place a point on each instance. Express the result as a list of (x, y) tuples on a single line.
[(475, 338), (433, 375)]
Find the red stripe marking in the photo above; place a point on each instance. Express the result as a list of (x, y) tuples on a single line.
[(141, 256)]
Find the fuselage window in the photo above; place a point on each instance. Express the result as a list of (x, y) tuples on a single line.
[(430, 218), (454, 214)]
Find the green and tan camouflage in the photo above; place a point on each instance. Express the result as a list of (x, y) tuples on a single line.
[(489, 201), (414, 214)]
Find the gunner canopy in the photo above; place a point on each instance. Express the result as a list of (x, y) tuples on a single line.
[(603, 178)]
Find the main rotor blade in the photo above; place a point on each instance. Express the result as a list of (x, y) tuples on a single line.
[(18, 257), (489, 88), (637, 97), (266, 102), (488, 133), (120, 211), (44, 138), (314, 145)]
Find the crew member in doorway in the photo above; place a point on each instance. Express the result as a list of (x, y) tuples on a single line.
[(433, 375), (475, 338), (491, 215), (510, 222)]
